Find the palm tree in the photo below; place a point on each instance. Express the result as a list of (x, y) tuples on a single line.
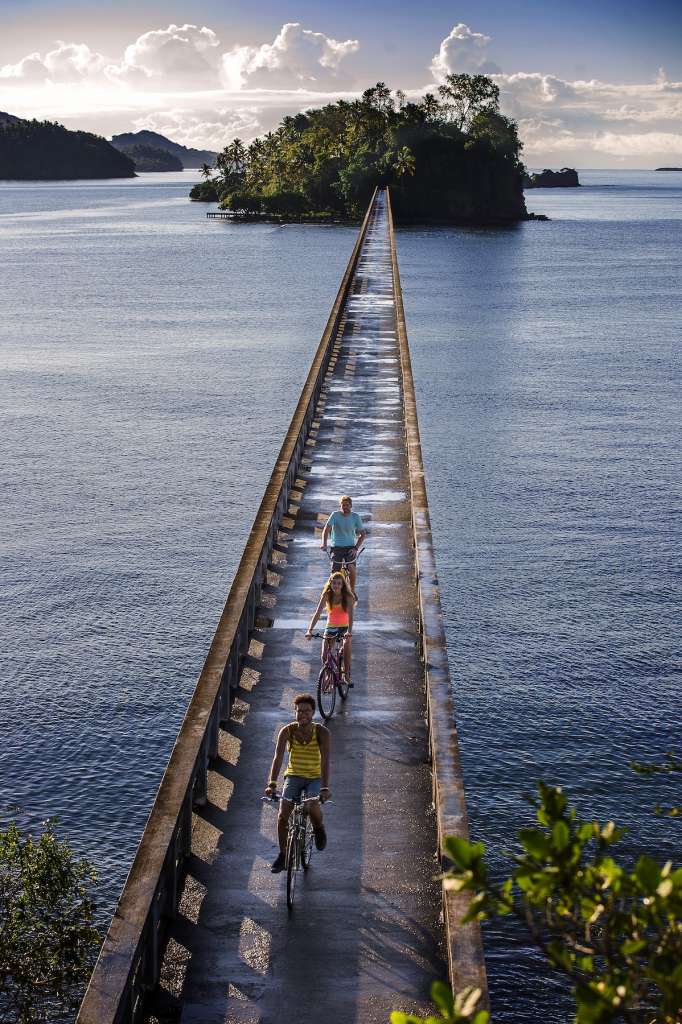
[(404, 162), (206, 170)]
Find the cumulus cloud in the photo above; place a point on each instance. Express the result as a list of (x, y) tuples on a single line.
[(463, 51), (180, 56), (297, 58), (68, 62), (190, 58), (595, 117), (580, 119)]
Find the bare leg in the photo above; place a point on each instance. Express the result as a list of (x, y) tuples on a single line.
[(352, 574), (285, 809), (325, 651), (347, 653), (315, 812)]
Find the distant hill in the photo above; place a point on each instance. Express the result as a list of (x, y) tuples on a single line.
[(6, 118), (657, 168), (47, 151), (151, 158), (187, 157)]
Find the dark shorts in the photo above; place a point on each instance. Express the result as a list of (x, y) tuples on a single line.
[(340, 555)]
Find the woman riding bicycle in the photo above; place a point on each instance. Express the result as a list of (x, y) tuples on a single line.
[(337, 599)]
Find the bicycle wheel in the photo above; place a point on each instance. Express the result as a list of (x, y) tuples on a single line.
[(341, 683), (326, 693), (291, 869), (307, 843)]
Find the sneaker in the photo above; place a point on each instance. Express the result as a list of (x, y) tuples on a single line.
[(320, 838), (279, 864), (347, 681)]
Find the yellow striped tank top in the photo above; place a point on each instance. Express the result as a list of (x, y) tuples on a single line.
[(304, 758)]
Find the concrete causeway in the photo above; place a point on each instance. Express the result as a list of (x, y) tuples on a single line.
[(364, 937), (201, 933)]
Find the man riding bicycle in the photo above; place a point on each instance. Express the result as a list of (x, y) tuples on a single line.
[(345, 531), (309, 747)]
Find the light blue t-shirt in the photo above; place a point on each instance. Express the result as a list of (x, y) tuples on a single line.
[(344, 529)]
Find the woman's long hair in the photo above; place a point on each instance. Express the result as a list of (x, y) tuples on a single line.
[(328, 593)]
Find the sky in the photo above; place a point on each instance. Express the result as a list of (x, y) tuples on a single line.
[(591, 84)]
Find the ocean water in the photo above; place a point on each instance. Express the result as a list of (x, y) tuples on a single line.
[(552, 437), (151, 360)]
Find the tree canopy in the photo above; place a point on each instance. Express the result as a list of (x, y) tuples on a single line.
[(46, 151), (47, 936), (452, 157)]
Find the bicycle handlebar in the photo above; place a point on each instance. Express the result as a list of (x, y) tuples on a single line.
[(344, 561), (321, 636), (276, 797)]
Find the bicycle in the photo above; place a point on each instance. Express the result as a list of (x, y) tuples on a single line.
[(300, 841), (331, 677), (344, 563)]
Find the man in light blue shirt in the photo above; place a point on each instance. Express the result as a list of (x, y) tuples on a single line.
[(345, 532)]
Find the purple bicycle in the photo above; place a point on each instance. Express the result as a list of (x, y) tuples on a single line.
[(331, 677)]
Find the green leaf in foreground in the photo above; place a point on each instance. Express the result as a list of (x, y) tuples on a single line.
[(47, 935)]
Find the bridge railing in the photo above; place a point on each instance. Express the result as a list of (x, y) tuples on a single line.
[(129, 963), (466, 961)]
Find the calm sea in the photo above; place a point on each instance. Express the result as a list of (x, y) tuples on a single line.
[(151, 361)]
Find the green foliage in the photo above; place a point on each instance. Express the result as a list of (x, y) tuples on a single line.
[(615, 931), (671, 764), (459, 1009), (44, 151), (204, 192), (465, 98), (47, 936), (332, 158)]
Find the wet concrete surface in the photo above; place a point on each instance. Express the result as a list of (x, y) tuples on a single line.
[(364, 937)]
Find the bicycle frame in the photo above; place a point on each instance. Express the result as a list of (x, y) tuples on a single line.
[(299, 845), (334, 659), (331, 676)]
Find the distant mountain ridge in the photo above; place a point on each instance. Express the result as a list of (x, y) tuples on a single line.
[(151, 158), (188, 157), (6, 118)]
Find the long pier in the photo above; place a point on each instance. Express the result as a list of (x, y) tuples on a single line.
[(201, 933)]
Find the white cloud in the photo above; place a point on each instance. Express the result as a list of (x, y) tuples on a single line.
[(68, 62), (180, 56), (208, 128), (463, 51), (579, 119), (297, 58), (190, 58), (593, 117)]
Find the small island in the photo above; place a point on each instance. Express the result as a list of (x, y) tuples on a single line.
[(47, 151), (668, 168), (451, 158), (567, 177)]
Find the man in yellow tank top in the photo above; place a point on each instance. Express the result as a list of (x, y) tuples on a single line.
[(309, 746)]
